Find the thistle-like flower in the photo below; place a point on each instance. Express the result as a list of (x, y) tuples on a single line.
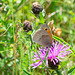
[(55, 53)]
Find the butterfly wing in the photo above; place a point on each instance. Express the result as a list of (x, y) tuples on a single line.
[(42, 37)]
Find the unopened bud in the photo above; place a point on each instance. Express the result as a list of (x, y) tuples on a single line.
[(27, 26), (36, 8)]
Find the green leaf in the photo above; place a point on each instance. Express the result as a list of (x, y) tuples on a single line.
[(29, 33), (42, 18), (32, 15), (65, 19), (43, 12), (20, 24), (26, 72), (64, 63), (71, 69), (58, 72)]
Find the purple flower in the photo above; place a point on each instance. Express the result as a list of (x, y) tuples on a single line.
[(55, 53)]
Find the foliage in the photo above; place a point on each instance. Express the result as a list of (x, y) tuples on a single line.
[(16, 46)]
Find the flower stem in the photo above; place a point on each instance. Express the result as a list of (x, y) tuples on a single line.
[(14, 48), (43, 63), (30, 52), (58, 72), (46, 56)]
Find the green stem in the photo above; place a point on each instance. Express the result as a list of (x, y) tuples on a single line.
[(20, 58), (41, 59), (14, 48), (46, 56), (30, 52), (58, 72), (43, 63)]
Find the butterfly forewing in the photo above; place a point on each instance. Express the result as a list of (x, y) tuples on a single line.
[(42, 37)]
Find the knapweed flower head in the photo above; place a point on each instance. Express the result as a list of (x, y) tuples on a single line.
[(56, 52), (27, 26), (36, 8)]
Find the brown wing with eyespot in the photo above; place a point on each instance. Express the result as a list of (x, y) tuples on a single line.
[(42, 37)]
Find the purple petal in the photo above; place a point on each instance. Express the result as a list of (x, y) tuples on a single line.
[(54, 62), (35, 59), (36, 64), (66, 48)]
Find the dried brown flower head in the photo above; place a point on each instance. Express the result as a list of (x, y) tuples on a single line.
[(36, 8), (58, 32), (55, 31), (27, 26), (51, 25)]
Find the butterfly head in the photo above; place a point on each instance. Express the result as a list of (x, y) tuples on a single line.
[(44, 26)]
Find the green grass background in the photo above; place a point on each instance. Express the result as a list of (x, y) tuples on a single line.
[(16, 46)]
